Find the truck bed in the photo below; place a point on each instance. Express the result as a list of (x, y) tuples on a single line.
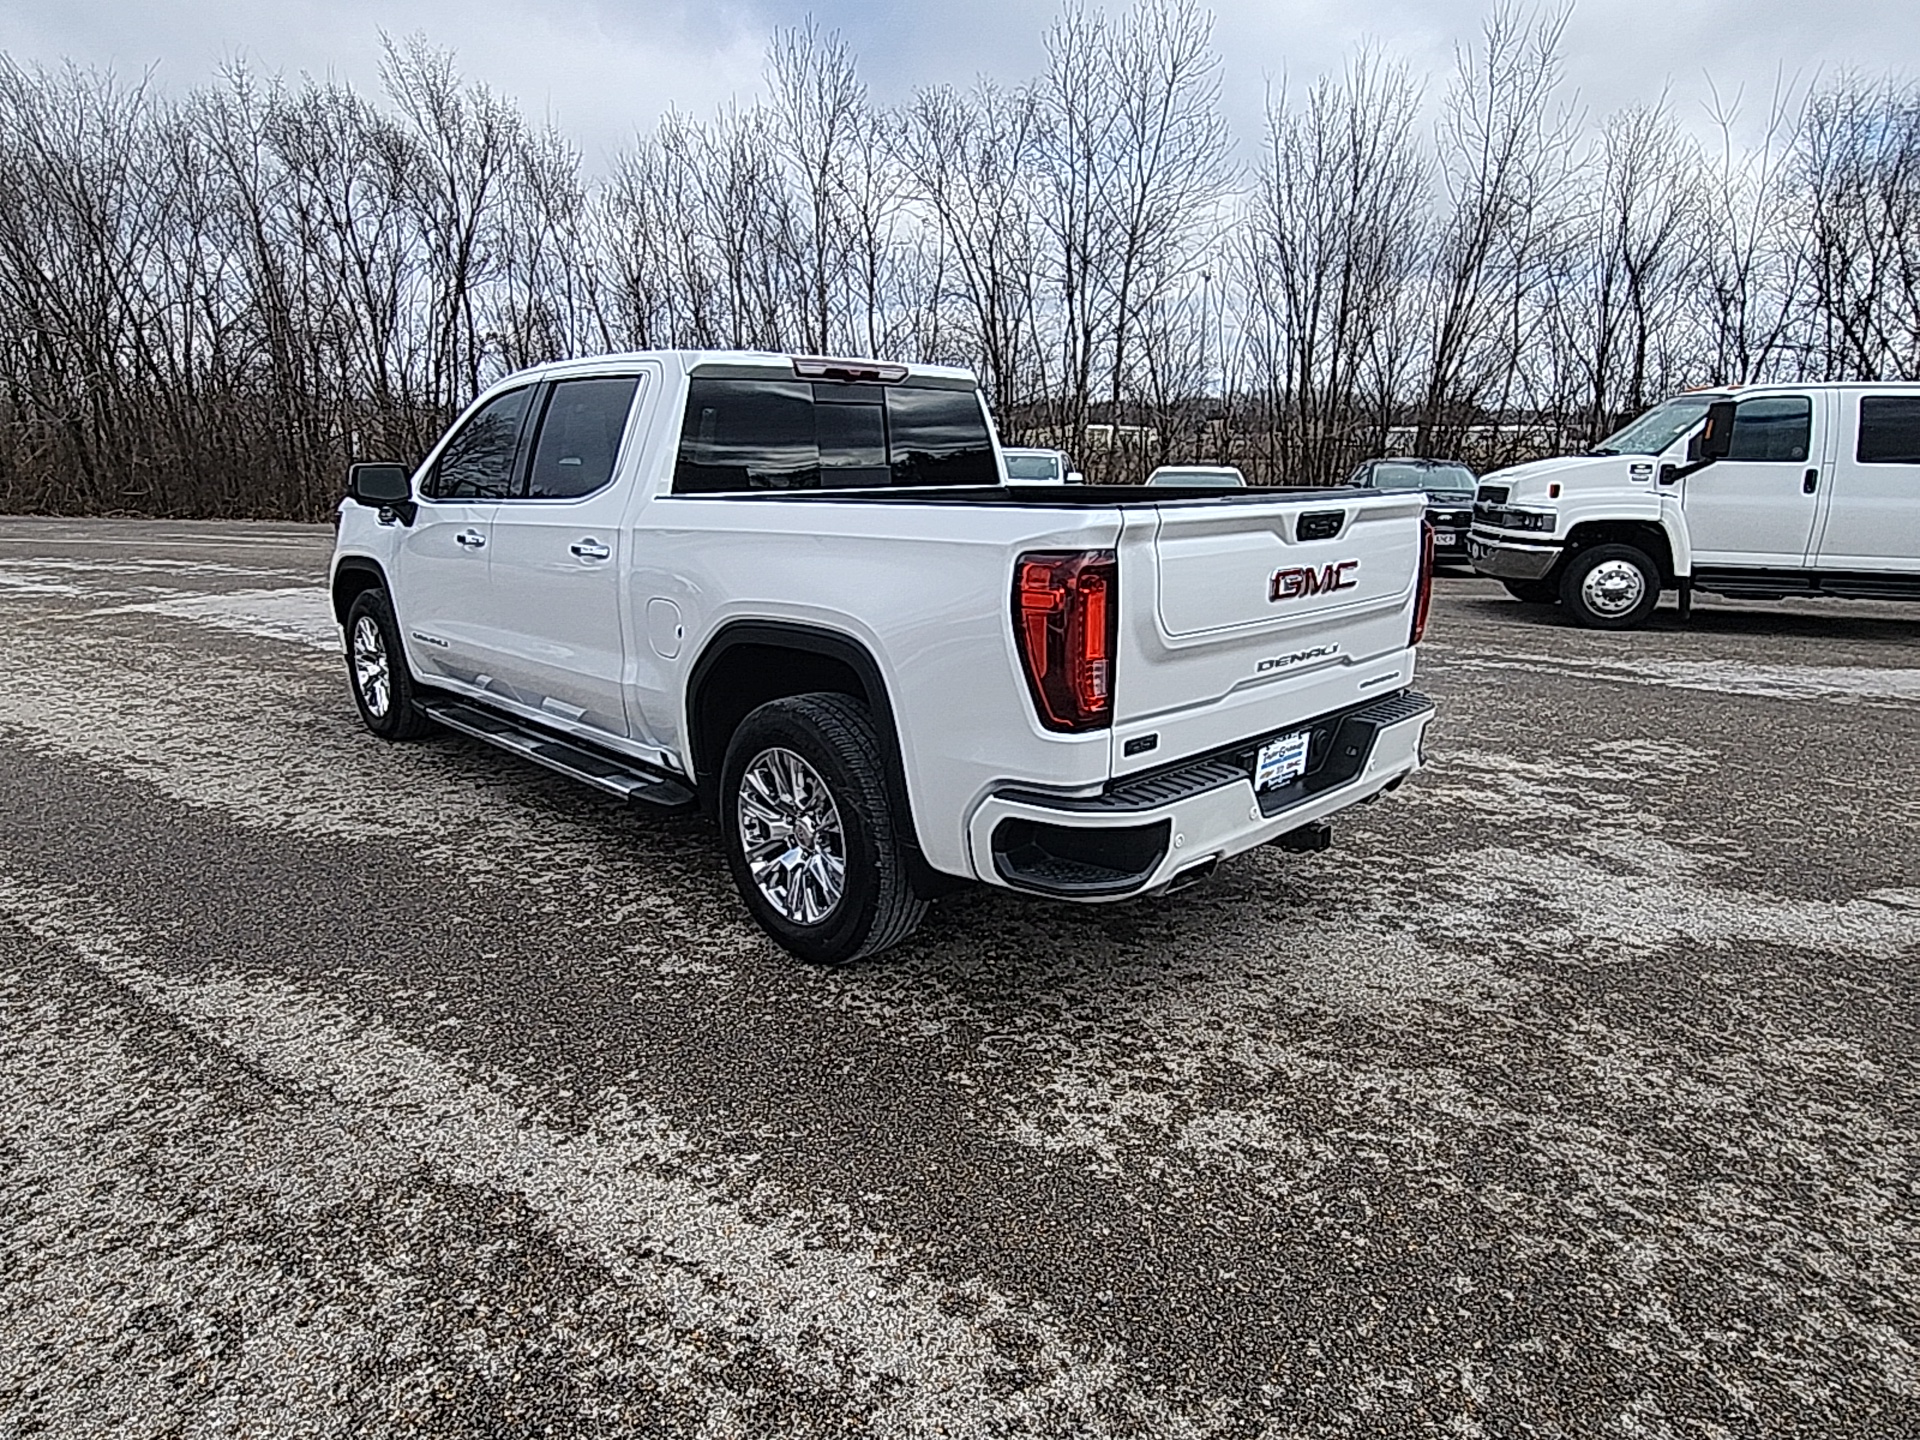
[(1044, 496)]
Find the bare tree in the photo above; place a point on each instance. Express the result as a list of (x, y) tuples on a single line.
[(1168, 161), (210, 302), (971, 159), (1752, 265), (464, 142), (1860, 169), (1504, 153), (818, 125), (1637, 263), (1332, 240)]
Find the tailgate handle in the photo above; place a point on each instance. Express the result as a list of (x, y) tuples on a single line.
[(1320, 525)]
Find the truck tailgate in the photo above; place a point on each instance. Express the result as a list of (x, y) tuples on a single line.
[(1241, 619)]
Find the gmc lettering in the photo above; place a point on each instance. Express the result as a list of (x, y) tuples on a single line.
[(1297, 580)]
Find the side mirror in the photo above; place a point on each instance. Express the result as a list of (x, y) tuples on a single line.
[(379, 485), (1715, 442), (1074, 477)]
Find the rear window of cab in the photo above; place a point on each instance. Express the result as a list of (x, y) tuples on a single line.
[(749, 435)]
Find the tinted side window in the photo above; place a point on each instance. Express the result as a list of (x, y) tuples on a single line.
[(1889, 430), (579, 437), (939, 437), (794, 435), (477, 463), (747, 435), (1772, 427)]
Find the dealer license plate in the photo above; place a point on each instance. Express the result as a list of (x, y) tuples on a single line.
[(1281, 761)]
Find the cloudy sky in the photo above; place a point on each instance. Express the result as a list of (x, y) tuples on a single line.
[(602, 68)]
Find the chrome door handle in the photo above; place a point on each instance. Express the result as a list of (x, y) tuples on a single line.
[(472, 539), (590, 550), (1811, 483)]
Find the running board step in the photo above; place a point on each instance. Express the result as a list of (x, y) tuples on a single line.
[(616, 775)]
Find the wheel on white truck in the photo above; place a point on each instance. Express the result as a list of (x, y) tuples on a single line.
[(377, 670), (1533, 592), (811, 836), (1610, 587)]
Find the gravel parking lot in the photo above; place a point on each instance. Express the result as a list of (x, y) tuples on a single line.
[(361, 1090)]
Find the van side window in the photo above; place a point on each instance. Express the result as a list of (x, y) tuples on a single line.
[(745, 434), (1889, 430), (1772, 427), (477, 463), (579, 436)]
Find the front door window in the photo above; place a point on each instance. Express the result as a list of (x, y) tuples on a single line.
[(1772, 427), (477, 463)]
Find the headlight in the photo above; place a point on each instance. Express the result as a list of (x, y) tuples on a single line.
[(1502, 518)]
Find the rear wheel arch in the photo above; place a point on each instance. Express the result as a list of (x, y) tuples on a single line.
[(750, 662)]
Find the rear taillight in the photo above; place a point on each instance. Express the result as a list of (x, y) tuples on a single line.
[(1423, 600), (1065, 623)]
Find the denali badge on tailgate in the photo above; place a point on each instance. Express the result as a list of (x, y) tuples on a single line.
[(1297, 580), (1280, 662)]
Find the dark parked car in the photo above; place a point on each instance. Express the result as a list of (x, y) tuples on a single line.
[(1449, 486)]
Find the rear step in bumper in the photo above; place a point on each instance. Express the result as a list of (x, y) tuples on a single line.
[(616, 775), (1143, 833)]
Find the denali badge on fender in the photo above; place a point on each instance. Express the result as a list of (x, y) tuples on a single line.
[(1297, 580)]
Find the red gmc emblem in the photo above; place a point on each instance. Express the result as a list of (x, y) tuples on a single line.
[(1297, 580)]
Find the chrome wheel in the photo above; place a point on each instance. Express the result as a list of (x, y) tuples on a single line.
[(790, 833), (370, 671), (1613, 588)]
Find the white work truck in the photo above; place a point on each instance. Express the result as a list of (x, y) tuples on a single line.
[(1761, 491), (800, 594)]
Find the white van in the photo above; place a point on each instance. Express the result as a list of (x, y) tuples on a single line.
[(1039, 467), (1760, 491)]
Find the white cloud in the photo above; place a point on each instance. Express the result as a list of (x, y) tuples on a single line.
[(602, 68)]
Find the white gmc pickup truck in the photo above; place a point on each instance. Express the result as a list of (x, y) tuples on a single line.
[(800, 594)]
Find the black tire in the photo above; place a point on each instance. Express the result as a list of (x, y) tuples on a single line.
[(1533, 592), (1601, 591), (834, 736), (392, 713)]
